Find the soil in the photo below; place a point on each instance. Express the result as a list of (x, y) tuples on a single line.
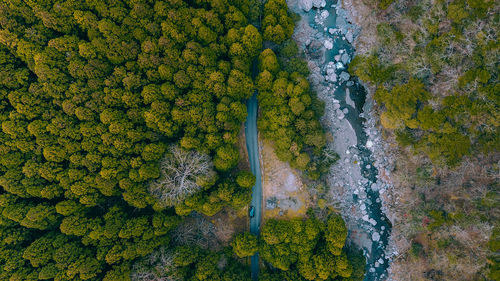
[(281, 185)]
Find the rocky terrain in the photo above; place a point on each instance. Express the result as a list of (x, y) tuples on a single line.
[(359, 184)]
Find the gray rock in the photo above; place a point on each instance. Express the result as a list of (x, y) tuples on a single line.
[(345, 58), (345, 110), (328, 44), (375, 236), (336, 106), (340, 114), (332, 77), (306, 5), (349, 36), (349, 83), (337, 57), (314, 49), (344, 76), (318, 3)]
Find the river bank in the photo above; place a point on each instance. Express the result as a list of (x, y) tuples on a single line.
[(359, 184)]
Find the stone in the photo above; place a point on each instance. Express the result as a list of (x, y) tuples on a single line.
[(306, 5), (349, 83), (340, 114), (375, 236), (328, 44), (324, 15), (332, 30), (337, 57), (345, 110), (332, 77), (319, 3), (369, 144), (349, 36), (363, 207), (336, 106), (344, 76), (339, 65), (345, 58), (373, 222), (365, 218)]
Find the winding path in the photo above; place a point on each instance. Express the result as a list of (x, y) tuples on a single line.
[(253, 157)]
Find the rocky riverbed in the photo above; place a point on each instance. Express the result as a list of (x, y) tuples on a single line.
[(360, 182)]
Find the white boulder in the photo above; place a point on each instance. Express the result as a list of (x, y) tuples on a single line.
[(306, 5), (328, 44), (319, 3), (369, 144)]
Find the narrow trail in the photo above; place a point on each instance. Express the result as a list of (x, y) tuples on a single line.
[(253, 157)]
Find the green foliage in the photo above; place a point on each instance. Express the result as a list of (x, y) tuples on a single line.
[(245, 179), (370, 69), (91, 95), (301, 249), (245, 244), (277, 23), (439, 115), (384, 4), (289, 114)]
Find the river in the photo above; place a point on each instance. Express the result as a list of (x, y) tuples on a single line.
[(325, 36)]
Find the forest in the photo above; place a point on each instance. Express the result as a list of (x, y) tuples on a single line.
[(120, 122), (433, 71)]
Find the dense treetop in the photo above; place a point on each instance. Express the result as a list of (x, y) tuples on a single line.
[(302, 249), (91, 95), (120, 117)]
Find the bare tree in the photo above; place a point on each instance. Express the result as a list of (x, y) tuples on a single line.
[(183, 173), (158, 266), (196, 230)]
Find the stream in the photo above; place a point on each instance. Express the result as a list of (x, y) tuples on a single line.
[(325, 35)]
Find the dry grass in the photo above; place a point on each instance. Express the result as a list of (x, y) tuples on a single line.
[(282, 182), (456, 250)]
